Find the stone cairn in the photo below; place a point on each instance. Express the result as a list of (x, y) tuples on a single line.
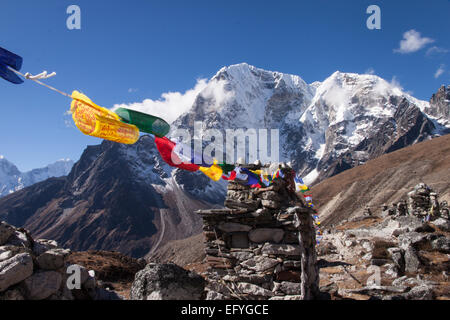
[(261, 245), (37, 270), (422, 202)]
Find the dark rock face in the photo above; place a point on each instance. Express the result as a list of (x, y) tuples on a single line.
[(408, 126), (166, 282), (19, 206), (440, 103), (109, 201)]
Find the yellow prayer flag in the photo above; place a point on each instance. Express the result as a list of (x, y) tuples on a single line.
[(99, 122), (214, 172)]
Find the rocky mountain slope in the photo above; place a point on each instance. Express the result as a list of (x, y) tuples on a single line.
[(117, 197), (181, 252), (11, 179), (324, 127), (384, 180)]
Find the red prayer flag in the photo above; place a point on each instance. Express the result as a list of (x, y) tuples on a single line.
[(165, 148)]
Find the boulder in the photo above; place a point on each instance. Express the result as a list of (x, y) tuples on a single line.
[(166, 282), (19, 239), (281, 249), (5, 232), (9, 251), (242, 255), (270, 204), (291, 288), (253, 289), (441, 244), (259, 263), (421, 292), (270, 195), (5, 254), (213, 295), (42, 284), (266, 235), (42, 245), (412, 261), (398, 259), (251, 278), (442, 224), (15, 270), (52, 259), (411, 239)]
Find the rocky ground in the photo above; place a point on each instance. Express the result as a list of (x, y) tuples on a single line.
[(38, 269), (383, 254), (399, 252), (386, 258), (113, 270)]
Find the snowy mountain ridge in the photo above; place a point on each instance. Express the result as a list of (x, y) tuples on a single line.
[(319, 123), (12, 179)]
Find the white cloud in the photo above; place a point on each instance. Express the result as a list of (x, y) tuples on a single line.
[(170, 105), (132, 90), (412, 42), (439, 71), (393, 87), (370, 71), (436, 51), (395, 83)]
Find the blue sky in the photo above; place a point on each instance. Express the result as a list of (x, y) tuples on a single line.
[(127, 51)]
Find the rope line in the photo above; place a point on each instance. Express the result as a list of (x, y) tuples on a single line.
[(41, 83)]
